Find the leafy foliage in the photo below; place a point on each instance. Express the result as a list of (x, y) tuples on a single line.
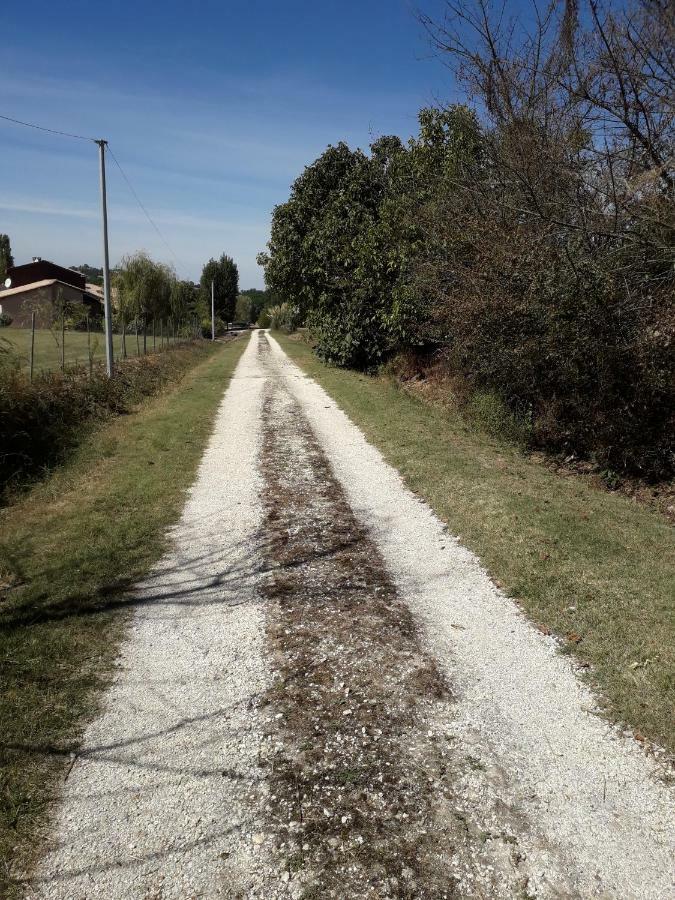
[(43, 420), (284, 317), (531, 250), (6, 258), (224, 274), (93, 274)]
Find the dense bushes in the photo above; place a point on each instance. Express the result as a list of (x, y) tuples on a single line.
[(41, 422), (285, 317), (529, 251)]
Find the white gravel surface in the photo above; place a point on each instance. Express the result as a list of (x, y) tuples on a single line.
[(162, 800), (167, 798), (585, 805)]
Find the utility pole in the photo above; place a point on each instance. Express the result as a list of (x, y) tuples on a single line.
[(213, 314), (106, 267)]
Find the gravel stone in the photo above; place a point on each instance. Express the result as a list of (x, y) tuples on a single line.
[(167, 780), (169, 795), (587, 806)]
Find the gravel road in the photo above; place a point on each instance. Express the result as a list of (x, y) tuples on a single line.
[(322, 694)]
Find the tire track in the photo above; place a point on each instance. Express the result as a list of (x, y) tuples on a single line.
[(361, 778)]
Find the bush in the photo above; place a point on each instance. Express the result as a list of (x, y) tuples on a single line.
[(5, 320), (264, 319), (539, 269), (490, 413), (221, 327), (284, 317), (41, 422)]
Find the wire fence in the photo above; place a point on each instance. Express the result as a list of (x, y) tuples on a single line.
[(62, 347)]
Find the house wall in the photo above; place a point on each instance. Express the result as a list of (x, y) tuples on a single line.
[(42, 301)]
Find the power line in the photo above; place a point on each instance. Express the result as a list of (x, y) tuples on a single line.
[(80, 137), (138, 200)]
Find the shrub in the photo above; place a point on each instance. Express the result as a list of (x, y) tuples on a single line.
[(221, 327), (41, 422), (5, 320), (489, 412), (285, 317)]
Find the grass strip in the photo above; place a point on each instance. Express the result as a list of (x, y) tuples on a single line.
[(77, 347), (68, 551), (592, 567)]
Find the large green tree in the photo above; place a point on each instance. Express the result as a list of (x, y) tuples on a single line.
[(254, 301), (224, 274), (6, 258), (346, 245), (145, 288)]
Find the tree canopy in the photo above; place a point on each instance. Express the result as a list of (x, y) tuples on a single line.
[(150, 290), (224, 274), (6, 258), (526, 245)]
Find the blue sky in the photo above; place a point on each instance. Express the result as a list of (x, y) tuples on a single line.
[(212, 108)]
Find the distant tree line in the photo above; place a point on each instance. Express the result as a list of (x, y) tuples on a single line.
[(524, 247), (91, 273), (146, 290)]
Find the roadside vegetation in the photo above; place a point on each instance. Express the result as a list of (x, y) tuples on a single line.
[(69, 551), (591, 567), (522, 246), (78, 348), (44, 420)]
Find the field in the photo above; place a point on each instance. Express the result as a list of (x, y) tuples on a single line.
[(594, 568), (48, 347)]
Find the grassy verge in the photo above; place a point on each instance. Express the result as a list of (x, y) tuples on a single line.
[(68, 550), (47, 354), (590, 566), (45, 420)]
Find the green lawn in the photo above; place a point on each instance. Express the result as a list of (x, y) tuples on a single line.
[(595, 568), (68, 550), (47, 354)]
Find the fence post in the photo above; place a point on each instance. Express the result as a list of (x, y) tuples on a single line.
[(32, 343), (138, 346), (89, 347), (154, 335), (145, 334), (63, 341)]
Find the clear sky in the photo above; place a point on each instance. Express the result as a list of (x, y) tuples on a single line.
[(212, 109)]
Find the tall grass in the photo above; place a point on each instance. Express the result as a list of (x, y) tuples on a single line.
[(42, 421)]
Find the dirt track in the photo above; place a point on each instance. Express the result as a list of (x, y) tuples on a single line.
[(323, 695)]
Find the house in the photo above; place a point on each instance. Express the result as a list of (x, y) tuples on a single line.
[(42, 287)]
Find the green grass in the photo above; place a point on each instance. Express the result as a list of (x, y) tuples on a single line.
[(47, 354), (584, 563), (68, 550)]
